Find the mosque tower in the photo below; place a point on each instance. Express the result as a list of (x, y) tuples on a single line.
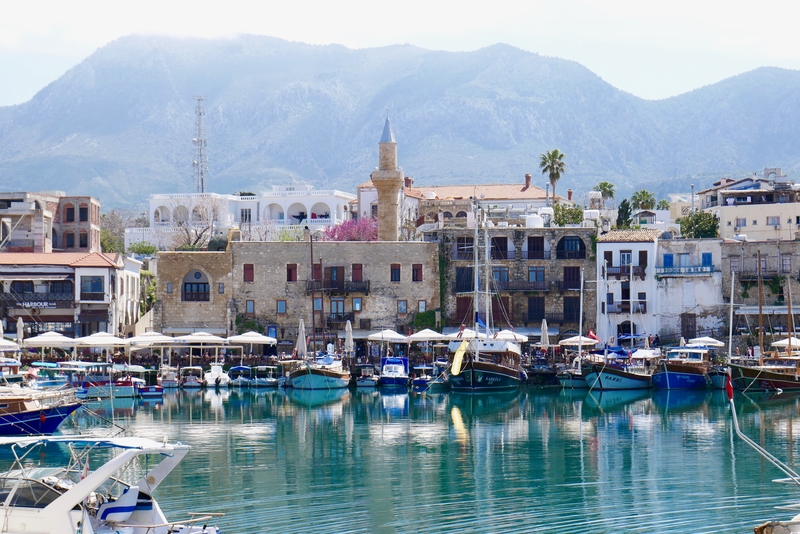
[(388, 180)]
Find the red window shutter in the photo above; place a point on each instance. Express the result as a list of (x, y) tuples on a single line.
[(358, 272), (249, 274)]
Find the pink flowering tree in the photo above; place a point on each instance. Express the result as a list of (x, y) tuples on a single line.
[(365, 229)]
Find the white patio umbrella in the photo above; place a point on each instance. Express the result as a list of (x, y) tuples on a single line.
[(253, 338), (577, 341), (509, 335), (348, 338), (48, 340), (545, 339), (100, 339), (426, 335), (20, 330), (300, 347), (202, 338), (783, 343), (465, 334), (7, 344), (708, 342), (388, 335), (148, 339)]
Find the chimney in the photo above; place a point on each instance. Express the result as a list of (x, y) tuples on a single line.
[(527, 181), (409, 181), (569, 194)]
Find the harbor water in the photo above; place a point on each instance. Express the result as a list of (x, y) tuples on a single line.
[(537, 460)]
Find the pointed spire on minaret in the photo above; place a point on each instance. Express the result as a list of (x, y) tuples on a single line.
[(388, 134)]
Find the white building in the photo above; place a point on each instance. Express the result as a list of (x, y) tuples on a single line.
[(626, 274), (258, 217)]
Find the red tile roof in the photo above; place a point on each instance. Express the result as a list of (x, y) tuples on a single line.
[(71, 259)]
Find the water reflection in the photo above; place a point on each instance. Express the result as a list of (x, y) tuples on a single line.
[(525, 461)]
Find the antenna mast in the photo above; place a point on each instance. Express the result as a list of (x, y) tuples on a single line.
[(200, 162)]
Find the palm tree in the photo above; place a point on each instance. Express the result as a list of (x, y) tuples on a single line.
[(643, 200), (606, 190), (552, 164), (663, 204)]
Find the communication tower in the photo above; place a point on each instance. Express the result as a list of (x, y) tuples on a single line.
[(200, 162)]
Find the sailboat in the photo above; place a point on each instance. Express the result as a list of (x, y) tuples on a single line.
[(774, 372), (477, 364)]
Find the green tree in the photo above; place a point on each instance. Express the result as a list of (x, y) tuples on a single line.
[(148, 286), (663, 204), (624, 214), (552, 164), (699, 224), (143, 248), (564, 215), (643, 200), (606, 190)]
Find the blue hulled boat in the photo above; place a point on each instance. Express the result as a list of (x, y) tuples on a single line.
[(683, 368)]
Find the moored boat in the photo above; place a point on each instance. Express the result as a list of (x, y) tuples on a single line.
[(241, 376), (487, 365), (683, 368), (366, 377), (191, 377), (324, 373), (25, 411), (265, 376), (394, 373), (616, 376), (168, 377), (58, 499), (216, 377), (774, 373)]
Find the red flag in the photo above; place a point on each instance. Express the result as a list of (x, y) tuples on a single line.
[(592, 335), (729, 387)]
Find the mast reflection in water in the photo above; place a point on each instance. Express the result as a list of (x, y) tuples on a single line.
[(534, 460)]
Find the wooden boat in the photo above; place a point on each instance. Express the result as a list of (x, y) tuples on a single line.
[(489, 365), (775, 373), (324, 373), (26, 411), (683, 368), (241, 376), (265, 376), (616, 376)]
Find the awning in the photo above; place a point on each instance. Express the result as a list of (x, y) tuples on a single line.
[(765, 310), (358, 334), (181, 331), (36, 277)]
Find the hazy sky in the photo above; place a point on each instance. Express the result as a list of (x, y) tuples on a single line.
[(653, 49)]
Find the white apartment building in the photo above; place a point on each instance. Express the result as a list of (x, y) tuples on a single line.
[(258, 217)]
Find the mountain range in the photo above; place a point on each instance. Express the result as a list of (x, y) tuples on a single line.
[(119, 125)]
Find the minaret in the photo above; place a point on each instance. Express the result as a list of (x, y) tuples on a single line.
[(388, 180)]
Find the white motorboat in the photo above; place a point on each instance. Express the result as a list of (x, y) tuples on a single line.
[(191, 376), (265, 376), (168, 377), (241, 376), (367, 377), (116, 497), (216, 377)]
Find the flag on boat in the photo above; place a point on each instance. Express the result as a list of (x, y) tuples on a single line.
[(479, 321), (592, 335), (85, 471)]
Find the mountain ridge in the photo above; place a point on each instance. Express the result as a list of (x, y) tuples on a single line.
[(119, 125)]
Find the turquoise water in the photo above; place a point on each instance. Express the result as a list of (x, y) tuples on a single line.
[(540, 460)]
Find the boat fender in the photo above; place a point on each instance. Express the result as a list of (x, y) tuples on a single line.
[(42, 417), (218, 380)]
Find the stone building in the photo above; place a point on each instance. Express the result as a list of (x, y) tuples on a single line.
[(535, 275), (49, 221), (778, 271), (374, 285)]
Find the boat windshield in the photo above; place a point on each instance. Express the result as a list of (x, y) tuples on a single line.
[(29, 493)]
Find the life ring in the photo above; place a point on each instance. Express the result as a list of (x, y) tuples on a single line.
[(42, 417)]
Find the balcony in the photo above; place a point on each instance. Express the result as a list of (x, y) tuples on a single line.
[(535, 254), (570, 254), (515, 285), (333, 286), (553, 318), (569, 285), (624, 271), (624, 306), (751, 275), (685, 270), (37, 300), (464, 255), (503, 254), (100, 297), (339, 317)]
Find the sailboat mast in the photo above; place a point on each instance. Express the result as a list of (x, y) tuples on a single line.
[(313, 299), (477, 282), (789, 322), (580, 321), (730, 319), (760, 314), (487, 297)]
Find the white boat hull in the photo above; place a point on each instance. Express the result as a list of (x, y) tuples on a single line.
[(313, 379)]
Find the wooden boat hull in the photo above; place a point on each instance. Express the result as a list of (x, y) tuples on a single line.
[(718, 376), (679, 376), (315, 378), (36, 421), (572, 380), (485, 376), (755, 378), (605, 378)]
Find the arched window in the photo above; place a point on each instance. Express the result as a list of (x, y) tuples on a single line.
[(461, 214), (571, 247), (447, 215), (83, 240), (195, 287)]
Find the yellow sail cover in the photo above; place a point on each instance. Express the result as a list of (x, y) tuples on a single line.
[(458, 358)]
